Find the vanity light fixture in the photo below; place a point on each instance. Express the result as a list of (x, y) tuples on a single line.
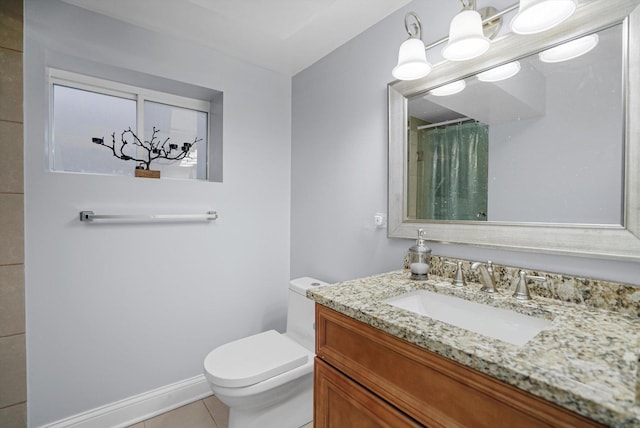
[(536, 16), (449, 89), (412, 61), (570, 50), (466, 37), (502, 72), (412, 57), (471, 31)]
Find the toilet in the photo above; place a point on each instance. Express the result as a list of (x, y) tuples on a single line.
[(267, 379)]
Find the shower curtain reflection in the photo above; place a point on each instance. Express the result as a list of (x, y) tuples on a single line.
[(452, 171)]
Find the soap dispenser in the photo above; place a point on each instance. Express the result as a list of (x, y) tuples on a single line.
[(419, 258)]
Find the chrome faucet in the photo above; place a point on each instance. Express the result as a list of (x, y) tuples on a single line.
[(486, 276), (522, 289)]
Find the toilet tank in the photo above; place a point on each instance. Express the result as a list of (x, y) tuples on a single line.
[(301, 311)]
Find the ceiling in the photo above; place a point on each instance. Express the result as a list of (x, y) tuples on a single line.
[(282, 35)]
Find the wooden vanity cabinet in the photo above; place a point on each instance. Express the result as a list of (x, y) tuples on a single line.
[(365, 377)]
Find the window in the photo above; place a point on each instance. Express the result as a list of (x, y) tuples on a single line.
[(95, 124)]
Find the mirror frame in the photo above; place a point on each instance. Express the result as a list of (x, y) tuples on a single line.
[(602, 241)]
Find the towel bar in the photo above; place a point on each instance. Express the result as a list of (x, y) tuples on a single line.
[(88, 216)]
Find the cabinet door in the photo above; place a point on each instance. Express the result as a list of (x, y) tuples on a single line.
[(340, 403), (429, 388)]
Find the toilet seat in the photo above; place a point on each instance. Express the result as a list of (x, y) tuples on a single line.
[(254, 359)]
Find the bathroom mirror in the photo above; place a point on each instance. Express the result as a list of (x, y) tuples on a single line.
[(471, 152), (545, 160)]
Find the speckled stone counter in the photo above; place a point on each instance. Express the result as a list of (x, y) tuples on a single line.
[(587, 361)]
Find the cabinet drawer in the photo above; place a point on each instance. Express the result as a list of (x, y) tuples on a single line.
[(339, 402), (433, 390)]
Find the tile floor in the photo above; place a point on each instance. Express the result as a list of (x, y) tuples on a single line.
[(206, 413)]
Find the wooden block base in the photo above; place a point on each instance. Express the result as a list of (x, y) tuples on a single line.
[(145, 173)]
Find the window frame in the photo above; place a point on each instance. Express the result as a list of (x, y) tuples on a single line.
[(122, 90)]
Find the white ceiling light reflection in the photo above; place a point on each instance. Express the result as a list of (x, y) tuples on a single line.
[(502, 72), (449, 89), (570, 50)]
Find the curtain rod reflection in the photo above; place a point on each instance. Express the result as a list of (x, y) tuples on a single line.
[(446, 122)]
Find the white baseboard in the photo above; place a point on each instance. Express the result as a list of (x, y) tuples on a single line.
[(139, 407)]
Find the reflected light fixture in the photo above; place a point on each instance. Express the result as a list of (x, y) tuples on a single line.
[(466, 37), (535, 16), (412, 57), (449, 89), (570, 50), (502, 72)]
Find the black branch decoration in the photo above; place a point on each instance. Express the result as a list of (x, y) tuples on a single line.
[(154, 148)]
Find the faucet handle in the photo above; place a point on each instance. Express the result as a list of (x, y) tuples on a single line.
[(522, 289), (458, 278)]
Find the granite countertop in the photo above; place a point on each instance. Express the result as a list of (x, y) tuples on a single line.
[(587, 361)]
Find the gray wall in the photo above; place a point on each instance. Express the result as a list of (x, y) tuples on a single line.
[(118, 310), (339, 164), (305, 169)]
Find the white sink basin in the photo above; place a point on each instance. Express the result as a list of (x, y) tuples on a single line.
[(497, 323)]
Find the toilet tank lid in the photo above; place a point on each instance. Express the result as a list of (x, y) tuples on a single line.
[(253, 359), (301, 285)]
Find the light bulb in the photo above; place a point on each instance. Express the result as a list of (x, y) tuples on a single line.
[(535, 16), (466, 39), (412, 61)]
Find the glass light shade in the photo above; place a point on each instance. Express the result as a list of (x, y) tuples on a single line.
[(570, 50), (466, 39), (412, 61), (535, 16), (502, 72), (449, 89)]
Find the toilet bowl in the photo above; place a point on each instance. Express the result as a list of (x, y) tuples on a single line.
[(267, 379)]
